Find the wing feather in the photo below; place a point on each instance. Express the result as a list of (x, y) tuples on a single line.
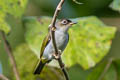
[(44, 44)]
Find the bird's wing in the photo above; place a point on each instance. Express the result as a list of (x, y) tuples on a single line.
[(68, 37), (44, 44)]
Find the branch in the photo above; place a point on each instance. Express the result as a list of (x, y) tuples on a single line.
[(53, 24), (61, 64), (56, 13), (77, 2), (2, 77), (53, 37), (9, 52)]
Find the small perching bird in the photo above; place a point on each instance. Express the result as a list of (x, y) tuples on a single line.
[(47, 52)]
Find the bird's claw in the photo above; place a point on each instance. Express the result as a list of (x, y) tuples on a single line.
[(58, 55)]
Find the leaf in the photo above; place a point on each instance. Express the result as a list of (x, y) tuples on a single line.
[(99, 71), (111, 74), (77, 73), (3, 25), (35, 32), (96, 72), (115, 5), (13, 7), (90, 40), (115, 48), (26, 62), (117, 67)]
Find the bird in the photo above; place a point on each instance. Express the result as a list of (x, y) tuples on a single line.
[(47, 52)]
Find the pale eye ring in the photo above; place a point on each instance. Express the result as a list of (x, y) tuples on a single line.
[(64, 22)]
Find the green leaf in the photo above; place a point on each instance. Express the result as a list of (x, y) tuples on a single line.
[(115, 5), (90, 40), (96, 72), (103, 72), (117, 67), (110, 74), (26, 63), (13, 7), (77, 73), (35, 32), (3, 25)]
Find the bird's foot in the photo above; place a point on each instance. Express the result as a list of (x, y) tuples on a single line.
[(58, 55)]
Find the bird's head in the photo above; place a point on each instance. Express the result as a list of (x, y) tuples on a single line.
[(64, 24)]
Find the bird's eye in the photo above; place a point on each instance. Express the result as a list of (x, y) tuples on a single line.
[(64, 22)]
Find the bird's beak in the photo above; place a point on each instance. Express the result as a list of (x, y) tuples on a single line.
[(73, 23)]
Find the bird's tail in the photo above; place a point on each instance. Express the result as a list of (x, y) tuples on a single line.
[(39, 67)]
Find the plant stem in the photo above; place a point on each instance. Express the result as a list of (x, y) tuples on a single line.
[(53, 37), (2, 77), (10, 54)]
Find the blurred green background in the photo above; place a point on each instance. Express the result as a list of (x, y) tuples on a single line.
[(93, 52)]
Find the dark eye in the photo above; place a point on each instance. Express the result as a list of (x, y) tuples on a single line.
[(64, 22)]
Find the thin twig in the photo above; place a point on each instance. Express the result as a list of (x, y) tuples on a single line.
[(56, 13), (63, 69), (2, 77), (10, 54), (53, 24), (77, 2), (106, 69), (53, 37)]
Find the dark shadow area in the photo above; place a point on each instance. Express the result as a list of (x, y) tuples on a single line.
[(115, 48)]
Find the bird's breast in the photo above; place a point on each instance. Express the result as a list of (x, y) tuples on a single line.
[(61, 40)]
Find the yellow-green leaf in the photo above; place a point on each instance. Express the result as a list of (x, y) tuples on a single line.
[(90, 40)]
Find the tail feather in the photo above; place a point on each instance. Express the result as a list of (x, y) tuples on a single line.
[(39, 67)]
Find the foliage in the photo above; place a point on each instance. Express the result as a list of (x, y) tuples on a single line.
[(115, 5), (94, 40), (13, 7), (35, 32), (3, 25), (90, 40), (92, 36), (26, 62)]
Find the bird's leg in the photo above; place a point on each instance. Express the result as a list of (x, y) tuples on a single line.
[(58, 55)]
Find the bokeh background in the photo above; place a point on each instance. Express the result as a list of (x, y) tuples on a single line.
[(93, 51)]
